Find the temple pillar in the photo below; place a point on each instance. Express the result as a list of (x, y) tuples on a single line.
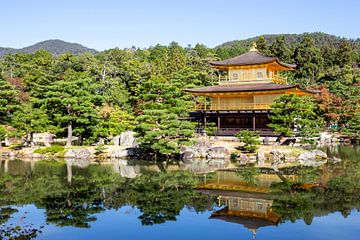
[(254, 122)]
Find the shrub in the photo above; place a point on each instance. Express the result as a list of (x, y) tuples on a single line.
[(52, 149), (250, 140)]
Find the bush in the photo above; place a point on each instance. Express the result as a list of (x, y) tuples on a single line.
[(52, 149), (250, 139)]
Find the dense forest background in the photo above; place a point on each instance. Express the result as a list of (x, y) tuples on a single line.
[(95, 95)]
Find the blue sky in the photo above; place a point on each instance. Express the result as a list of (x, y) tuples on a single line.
[(104, 24)]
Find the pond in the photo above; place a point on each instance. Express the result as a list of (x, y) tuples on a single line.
[(193, 200)]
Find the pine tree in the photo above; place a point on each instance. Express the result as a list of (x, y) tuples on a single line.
[(160, 129), (295, 114), (308, 60), (71, 103), (344, 55), (263, 46), (280, 50)]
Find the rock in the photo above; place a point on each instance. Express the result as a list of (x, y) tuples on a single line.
[(266, 141), (78, 153), (218, 153), (12, 154), (128, 171), (5, 154), (37, 155), (334, 160), (78, 162), (116, 140), (127, 139), (119, 153), (319, 154), (243, 158), (252, 159), (313, 158), (261, 158), (187, 155), (277, 158), (290, 159)]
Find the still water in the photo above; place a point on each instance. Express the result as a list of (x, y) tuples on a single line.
[(129, 200)]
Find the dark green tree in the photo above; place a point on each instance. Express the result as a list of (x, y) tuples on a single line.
[(72, 104), (308, 61), (280, 50), (344, 55), (263, 46), (292, 114)]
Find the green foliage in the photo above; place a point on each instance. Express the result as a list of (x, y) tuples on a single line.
[(249, 174), (51, 150), (250, 140), (292, 113), (308, 60), (210, 128), (114, 121), (160, 128)]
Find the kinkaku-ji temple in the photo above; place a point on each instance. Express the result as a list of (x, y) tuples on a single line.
[(248, 85)]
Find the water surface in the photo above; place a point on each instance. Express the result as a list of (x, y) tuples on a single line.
[(128, 200)]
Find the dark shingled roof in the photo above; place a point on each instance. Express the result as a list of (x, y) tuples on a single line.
[(250, 223), (243, 88), (250, 58)]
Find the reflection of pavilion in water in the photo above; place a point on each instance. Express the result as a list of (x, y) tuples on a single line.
[(252, 210), (244, 202), (231, 180)]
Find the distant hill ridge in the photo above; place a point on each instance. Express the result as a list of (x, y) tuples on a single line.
[(55, 46)]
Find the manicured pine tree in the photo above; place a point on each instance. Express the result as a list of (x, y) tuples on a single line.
[(72, 103), (292, 114)]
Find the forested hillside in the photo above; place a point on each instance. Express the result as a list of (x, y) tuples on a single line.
[(236, 47), (100, 95), (56, 47)]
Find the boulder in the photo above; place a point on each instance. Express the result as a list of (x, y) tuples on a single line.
[(187, 155), (37, 155), (261, 158), (116, 140), (313, 158), (128, 171), (78, 153), (218, 153), (334, 160), (277, 158), (243, 158), (127, 139), (252, 159), (78, 162), (119, 153)]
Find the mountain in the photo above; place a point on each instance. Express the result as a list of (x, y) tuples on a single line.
[(55, 46), (236, 47)]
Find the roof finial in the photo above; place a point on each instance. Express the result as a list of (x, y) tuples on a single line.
[(254, 47)]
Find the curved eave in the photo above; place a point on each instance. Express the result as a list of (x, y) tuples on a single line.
[(282, 65), (204, 92)]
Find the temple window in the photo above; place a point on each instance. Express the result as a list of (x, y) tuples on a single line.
[(235, 76), (259, 75)]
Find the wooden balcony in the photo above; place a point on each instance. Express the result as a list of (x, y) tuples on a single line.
[(253, 79), (242, 106)]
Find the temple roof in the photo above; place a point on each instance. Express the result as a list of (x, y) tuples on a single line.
[(248, 222), (244, 88), (251, 58)]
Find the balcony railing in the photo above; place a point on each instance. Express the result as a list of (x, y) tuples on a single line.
[(253, 78), (242, 106)]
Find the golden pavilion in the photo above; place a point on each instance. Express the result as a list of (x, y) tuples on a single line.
[(243, 96)]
